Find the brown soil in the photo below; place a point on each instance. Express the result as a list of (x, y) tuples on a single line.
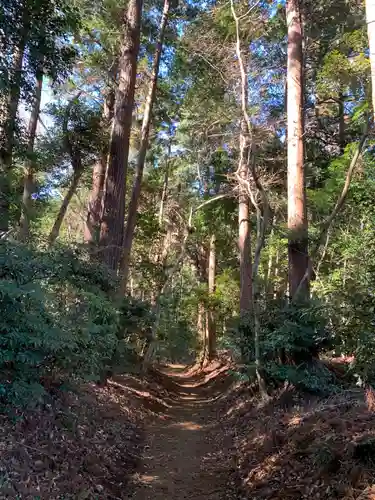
[(183, 446), (135, 438), (78, 446), (181, 434), (296, 446)]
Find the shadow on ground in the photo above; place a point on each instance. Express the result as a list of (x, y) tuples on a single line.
[(180, 459), (82, 445)]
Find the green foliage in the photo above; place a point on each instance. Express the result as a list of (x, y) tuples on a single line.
[(315, 378), (297, 330), (58, 320), (291, 338)]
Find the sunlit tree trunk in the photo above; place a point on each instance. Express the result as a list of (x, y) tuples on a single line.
[(112, 226), (92, 223), (269, 277), (370, 19), (202, 332), (164, 193), (134, 202), (297, 218), (201, 270), (28, 182), (243, 173), (211, 323), (244, 227), (341, 123)]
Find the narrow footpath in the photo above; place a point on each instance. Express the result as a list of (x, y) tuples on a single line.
[(182, 449)]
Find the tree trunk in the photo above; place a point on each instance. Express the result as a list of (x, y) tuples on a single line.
[(112, 226), (370, 19), (244, 242), (243, 175), (202, 333), (94, 212), (28, 183), (64, 205), (341, 123), (163, 198), (92, 223), (8, 123), (211, 323), (297, 217), (134, 202)]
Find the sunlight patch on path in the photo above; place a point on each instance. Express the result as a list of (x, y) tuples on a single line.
[(178, 462)]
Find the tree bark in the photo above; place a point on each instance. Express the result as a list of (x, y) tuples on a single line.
[(163, 198), (94, 212), (370, 20), (211, 323), (112, 226), (341, 123), (243, 176), (134, 202), (28, 183), (202, 333), (297, 216), (93, 219), (244, 227), (8, 123)]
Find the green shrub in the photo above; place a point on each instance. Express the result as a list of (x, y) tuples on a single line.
[(58, 321), (291, 337), (295, 330)]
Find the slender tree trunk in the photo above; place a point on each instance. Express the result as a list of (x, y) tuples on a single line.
[(134, 202), (244, 242), (341, 123), (64, 206), (211, 323), (243, 174), (370, 19), (28, 183), (202, 333), (276, 275), (112, 226), (8, 123), (163, 198), (297, 217), (94, 212)]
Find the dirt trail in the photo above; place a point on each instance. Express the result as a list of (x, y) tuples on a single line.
[(180, 459)]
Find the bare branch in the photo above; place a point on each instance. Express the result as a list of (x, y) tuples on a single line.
[(211, 200)]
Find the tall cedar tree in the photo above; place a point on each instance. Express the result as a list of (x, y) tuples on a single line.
[(133, 207), (112, 226), (297, 216), (244, 226), (211, 326)]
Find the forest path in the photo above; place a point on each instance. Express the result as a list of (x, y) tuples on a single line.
[(180, 459)]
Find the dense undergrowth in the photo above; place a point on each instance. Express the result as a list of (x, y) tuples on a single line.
[(64, 332), (61, 322)]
